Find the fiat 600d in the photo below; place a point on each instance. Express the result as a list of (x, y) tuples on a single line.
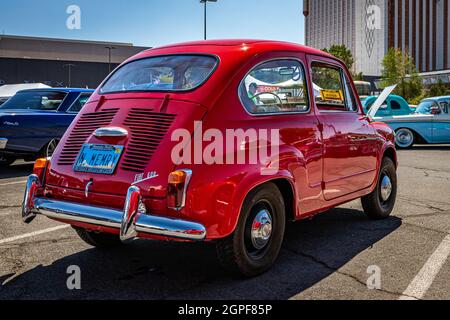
[(220, 141)]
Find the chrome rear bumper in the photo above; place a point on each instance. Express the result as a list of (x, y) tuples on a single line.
[(131, 222)]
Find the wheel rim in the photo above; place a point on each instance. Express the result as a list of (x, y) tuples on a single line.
[(259, 230), (385, 188), (51, 148), (404, 138)]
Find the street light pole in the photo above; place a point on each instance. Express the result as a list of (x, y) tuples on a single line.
[(69, 65), (110, 49), (205, 2)]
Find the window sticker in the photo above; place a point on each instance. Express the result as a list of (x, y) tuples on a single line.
[(332, 95)]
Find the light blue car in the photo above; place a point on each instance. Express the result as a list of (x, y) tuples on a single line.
[(430, 124)]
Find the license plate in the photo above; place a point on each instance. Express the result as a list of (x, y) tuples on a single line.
[(98, 158)]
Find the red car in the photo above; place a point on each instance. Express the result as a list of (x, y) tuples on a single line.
[(222, 141)]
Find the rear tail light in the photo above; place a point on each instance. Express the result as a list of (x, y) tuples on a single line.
[(40, 167), (177, 188)]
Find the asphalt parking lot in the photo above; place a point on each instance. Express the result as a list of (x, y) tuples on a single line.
[(324, 258)]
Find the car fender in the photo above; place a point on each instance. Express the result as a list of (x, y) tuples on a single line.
[(216, 200)]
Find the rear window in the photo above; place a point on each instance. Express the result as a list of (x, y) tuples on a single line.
[(35, 100), (164, 73)]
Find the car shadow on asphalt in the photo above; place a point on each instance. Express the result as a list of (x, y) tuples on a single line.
[(312, 251), (16, 171)]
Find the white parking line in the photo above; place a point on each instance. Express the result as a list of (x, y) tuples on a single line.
[(12, 183), (33, 234), (423, 280)]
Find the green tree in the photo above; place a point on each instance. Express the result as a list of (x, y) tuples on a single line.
[(343, 53), (399, 68), (438, 89)]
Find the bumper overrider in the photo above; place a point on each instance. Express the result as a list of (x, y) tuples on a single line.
[(132, 221)]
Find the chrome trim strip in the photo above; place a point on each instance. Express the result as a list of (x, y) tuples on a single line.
[(137, 222), (110, 132)]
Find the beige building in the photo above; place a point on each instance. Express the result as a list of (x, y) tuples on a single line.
[(370, 27)]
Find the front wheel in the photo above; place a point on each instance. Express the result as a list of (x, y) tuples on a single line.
[(404, 138), (255, 244), (380, 203)]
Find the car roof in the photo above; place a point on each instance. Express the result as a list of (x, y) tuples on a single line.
[(68, 90), (242, 47), (437, 98)]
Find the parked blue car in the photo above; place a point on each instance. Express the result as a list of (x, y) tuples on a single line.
[(33, 121), (429, 124), (393, 106)]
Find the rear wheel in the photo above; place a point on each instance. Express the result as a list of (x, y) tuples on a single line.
[(380, 203), (97, 239), (255, 244), (404, 138)]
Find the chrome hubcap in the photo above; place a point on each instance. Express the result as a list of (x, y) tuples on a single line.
[(261, 229), (404, 138), (386, 188)]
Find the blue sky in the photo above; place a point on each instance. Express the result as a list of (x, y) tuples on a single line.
[(155, 22)]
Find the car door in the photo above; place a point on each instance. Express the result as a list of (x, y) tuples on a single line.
[(441, 123), (350, 143)]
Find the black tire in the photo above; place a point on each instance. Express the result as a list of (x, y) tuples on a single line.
[(238, 253), (6, 161), (99, 240), (378, 205), (405, 138)]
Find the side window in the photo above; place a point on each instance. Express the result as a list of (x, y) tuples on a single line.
[(275, 87), (330, 91), (349, 95), (395, 105), (79, 103), (445, 107)]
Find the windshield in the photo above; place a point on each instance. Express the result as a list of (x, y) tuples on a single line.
[(425, 107), (35, 100), (165, 73)]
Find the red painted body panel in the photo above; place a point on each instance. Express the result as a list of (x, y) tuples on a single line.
[(324, 168)]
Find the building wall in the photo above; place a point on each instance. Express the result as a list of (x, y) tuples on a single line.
[(420, 27), (53, 73), (370, 41), (49, 61)]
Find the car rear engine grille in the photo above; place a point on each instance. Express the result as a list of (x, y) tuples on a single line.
[(147, 130), (84, 127)]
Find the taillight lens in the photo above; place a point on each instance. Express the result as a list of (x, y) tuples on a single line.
[(40, 166), (177, 188)]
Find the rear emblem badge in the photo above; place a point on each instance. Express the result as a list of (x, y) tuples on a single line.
[(141, 177)]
